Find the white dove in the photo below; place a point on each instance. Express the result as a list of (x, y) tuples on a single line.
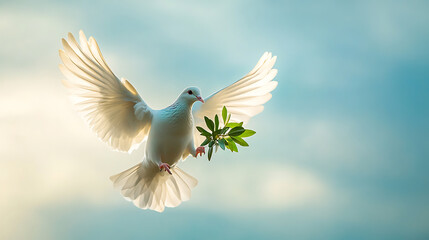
[(119, 116)]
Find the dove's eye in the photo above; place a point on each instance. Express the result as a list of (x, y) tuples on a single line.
[(190, 92)]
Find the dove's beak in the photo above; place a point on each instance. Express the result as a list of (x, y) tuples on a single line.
[(200, 99)]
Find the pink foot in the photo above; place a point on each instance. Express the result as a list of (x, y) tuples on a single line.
[(165, 166), (200, 150)]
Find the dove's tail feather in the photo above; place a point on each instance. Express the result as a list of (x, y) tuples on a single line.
[(149, 188)]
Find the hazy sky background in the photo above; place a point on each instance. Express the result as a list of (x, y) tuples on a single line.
[(341, 150)]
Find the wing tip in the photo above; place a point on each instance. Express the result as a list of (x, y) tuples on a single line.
[(275, 85), (82, 36), (92, 41), (63, 41), (66, 83), (269, 55), (274, 59), (275, 71)]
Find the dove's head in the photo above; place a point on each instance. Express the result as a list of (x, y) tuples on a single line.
[(191, 95)]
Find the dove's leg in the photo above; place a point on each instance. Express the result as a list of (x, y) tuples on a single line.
[(200, 150), (162, 166), (165, 166), (194, 152)]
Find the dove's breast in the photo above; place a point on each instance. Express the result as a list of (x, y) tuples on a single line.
[(170, 134)]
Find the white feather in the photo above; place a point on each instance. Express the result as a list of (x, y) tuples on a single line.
[(112, 108)]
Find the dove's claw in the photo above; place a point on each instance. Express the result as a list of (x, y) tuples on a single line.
[(165, 166), (200, 150)]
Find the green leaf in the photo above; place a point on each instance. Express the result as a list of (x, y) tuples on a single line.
[(203, 132), (205, 142), (226, 144), (206, 134), (210, 152), (233, 147), (216, 122), (227, 120), (233, 125), (216, 133), (222, 143), (240, 141), (223, 131), (211, 143), (200, 129), (224, 114), (209, 123), (227, 141), (247, 133), (237, 131)]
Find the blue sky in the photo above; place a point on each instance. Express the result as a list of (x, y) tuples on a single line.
[(341, 150)]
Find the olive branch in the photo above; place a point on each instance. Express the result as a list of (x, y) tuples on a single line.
[(224, 137)]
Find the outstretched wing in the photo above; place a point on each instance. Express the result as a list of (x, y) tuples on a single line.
[(244, 98), (112, 107)]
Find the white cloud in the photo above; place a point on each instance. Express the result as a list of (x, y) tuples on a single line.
[(259, 185), (29, 37)]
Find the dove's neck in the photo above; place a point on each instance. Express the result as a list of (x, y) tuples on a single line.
[(181, 105)]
